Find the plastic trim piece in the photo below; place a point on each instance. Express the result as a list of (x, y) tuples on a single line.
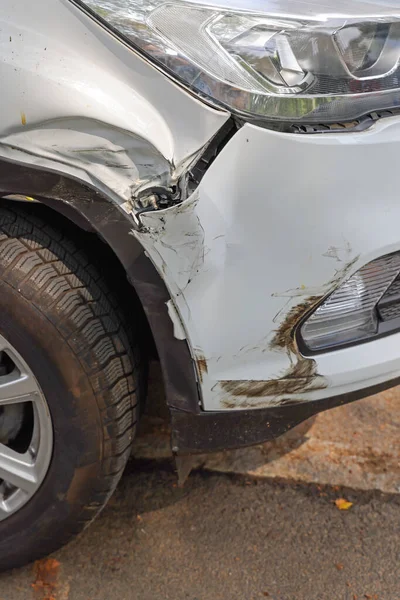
[(216, 431), (361, 124)]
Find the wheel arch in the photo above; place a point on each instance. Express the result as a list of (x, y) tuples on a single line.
[(92, 211)]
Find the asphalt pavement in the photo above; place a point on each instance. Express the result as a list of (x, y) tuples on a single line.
[(257, 523), (224, 537)]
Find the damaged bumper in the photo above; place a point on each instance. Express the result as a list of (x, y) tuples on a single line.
[(230, 268), (277, 223), (197, 433)]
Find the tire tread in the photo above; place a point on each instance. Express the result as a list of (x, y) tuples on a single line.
[(52, 270)]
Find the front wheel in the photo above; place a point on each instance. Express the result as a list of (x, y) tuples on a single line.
[(69, 382)]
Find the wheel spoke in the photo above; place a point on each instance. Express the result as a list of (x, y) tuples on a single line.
[(4, 345), (17, 469), (17, 387), (4, 510), (21, 474)]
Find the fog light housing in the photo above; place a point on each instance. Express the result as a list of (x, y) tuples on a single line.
[(350, 314)]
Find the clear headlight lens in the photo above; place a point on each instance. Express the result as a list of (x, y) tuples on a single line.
[(273, 63), (350, 313)]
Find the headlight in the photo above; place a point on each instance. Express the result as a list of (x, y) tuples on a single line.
[(274, 62), (366, 305)]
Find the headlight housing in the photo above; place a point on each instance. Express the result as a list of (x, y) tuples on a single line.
[(273, 61)]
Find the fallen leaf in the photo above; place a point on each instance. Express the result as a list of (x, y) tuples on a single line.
[(343, 504), (46, 581), (339, 566)]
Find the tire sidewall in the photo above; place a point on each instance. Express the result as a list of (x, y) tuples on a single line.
[(75, 468)]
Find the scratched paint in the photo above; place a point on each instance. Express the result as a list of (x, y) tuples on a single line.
[(177, 237), (177, 241), (119, 161), (300, 377), (302, 374), (179, 331)]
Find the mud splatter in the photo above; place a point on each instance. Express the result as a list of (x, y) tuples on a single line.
[(243, 404), (284, 337), (301, 376)]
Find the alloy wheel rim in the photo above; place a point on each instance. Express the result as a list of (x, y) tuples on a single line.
[(26, 432)]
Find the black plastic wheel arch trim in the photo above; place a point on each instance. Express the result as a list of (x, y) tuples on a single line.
[(92, 211)]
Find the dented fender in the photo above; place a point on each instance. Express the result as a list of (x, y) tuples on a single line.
[(77, 101), (117, 162)]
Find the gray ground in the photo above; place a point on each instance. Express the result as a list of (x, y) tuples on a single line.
[(225, 537)]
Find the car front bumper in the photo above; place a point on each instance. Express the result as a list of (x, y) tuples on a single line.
[(278, 221)]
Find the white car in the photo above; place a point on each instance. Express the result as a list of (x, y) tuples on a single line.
[(214, 179)]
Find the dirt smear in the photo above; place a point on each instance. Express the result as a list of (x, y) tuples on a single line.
[(202, 367), (284, 337), (302, 375)]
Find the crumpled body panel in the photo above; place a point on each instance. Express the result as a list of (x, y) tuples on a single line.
[(270, 231), (277, 222), (76, 100)]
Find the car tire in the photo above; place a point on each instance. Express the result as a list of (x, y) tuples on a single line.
[(58, 313)]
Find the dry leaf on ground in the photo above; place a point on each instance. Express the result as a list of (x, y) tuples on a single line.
[(343, 504)]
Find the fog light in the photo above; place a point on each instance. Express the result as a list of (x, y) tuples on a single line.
[(350, 313)]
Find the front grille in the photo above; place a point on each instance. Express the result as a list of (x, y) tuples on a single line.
[(389, 304), (364, 122), (360, 124)]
